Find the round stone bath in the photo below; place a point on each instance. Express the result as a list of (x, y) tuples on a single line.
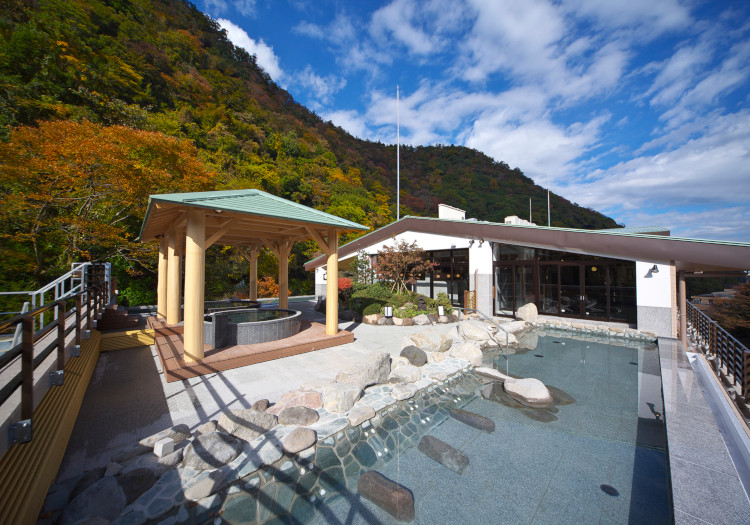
[(250, 326), (211, 307)]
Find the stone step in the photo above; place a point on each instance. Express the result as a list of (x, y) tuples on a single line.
[(395, 499)]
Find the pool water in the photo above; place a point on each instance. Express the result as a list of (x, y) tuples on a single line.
[(254, 316), (596, 457)]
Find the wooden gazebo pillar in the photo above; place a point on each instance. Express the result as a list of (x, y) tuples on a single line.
[(251, 254), (174, 248), (195, 277), (161, 286), (332, 285), (284, 249)]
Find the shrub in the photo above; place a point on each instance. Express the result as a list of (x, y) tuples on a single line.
[(374, 308), (345, 290)]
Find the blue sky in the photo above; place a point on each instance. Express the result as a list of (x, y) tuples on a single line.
[(639, 109)]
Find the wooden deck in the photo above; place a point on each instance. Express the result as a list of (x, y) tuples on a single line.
[(170, 347)]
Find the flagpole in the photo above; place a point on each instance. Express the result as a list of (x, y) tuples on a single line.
[(398, 160)]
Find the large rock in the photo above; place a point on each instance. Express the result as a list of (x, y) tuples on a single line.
[(513, 327), (370, 371), (340, 397), (350, 315), (301, 416), (436, 357), (397, 361), (405, 374), (261, 405), (372, 318), (443, 453), (360, 414), (404, 391), (395, 499), (247, 423), (309, 398), (421, 320), (491, 373), (473, 420), (206, 485), (429, 341), (104, 499), (211, 451), (530, 391), (299, 439), (528, 312), (177, 433), (408, 321), (468, 351), (135, 483), (484, 334), (416, 356)]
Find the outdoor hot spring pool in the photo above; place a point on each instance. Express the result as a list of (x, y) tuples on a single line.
[(597, 456)]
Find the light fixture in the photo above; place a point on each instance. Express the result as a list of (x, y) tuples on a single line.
[(655, 269), (218, 211), (471, 243), (441, 310), (481, 242), (388, 311), (325, 276)]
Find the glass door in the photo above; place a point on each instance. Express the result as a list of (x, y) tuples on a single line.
[(504, 290), (595, 296), (549, 300), (570, 290)]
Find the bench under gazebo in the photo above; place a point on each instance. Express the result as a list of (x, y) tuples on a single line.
[(189, 223)]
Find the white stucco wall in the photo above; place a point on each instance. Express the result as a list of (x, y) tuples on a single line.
[(653, 289)]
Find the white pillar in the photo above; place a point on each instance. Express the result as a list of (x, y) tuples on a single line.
[(195, 279)]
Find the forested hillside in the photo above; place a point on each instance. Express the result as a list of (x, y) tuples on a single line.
[(105, 102)]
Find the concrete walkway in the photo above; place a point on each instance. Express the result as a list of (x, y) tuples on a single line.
[(128, 398)]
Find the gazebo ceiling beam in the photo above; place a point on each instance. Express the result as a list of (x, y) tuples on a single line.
[(228, 225)]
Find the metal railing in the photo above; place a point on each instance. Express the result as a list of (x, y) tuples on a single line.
[(732, 358), (37, 345), (80, 276)]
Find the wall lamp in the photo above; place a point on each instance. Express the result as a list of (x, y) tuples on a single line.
[(471, 243), (655, 269), (481, 242)]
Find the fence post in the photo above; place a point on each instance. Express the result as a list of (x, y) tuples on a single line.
[(27, 368), (61, 311), (88, 308), (79, 304)]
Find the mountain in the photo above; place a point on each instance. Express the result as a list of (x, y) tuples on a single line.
[(137, 78)]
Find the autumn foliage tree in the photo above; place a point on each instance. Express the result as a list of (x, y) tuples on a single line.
[(401, 264), (78, 191), (734, 314)]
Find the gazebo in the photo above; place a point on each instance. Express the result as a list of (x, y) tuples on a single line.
[(188, 223)]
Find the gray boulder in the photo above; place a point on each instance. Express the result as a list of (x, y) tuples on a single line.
[(246, 424), (340, 397), (206, 485), (405, 374), (301, 416), (404, 391), (211, 451), (370, 371), (416, 356), (421, 320), (135, 483), (299, 439)]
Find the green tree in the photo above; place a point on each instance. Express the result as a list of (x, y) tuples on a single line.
[(401, 264), (734, 314)]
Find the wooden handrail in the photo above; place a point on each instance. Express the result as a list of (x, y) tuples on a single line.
[(96, 298)]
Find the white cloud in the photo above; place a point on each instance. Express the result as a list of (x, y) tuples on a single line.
[(650, 18), (246, 7), (349, 120), (322, 87), (711, 170), (397, 19), (264, 54)]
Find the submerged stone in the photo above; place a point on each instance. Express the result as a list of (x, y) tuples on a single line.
[(529, 391), (395, 499), (473, 420), (560, 397), (443, 453)]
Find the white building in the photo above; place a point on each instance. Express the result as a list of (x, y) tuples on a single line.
[(630, 275)]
